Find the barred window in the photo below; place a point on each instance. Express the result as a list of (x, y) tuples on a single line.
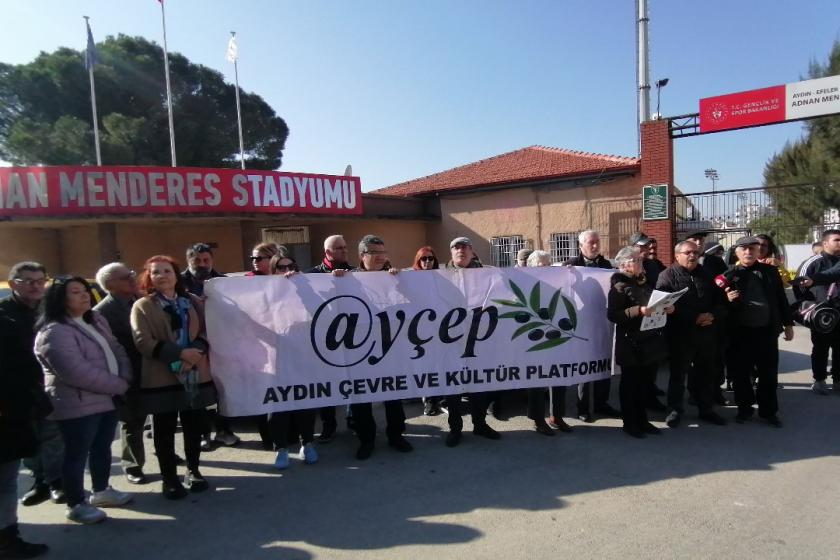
[(564, 246), (503, 249)]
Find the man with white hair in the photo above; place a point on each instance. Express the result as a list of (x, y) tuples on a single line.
[(335, 258), (589, 243), (121, 284)]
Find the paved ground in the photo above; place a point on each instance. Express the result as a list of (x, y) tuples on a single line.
[(699, 491)]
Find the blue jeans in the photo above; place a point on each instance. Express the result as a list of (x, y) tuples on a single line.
[(86, 439)]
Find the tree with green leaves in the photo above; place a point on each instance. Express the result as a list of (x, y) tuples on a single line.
[(813, 164), (45, 115)]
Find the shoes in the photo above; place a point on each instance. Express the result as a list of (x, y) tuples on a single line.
[(634, 432), (400, 444), (486, 431), (364, 451), (39, 493), (712, 417), (673, 419), (57, 494), (281, 460), (109, 498), (194, 482), (719, 399), (431, 408), (649, 428), (174, 490), (542, 428), (743, 416), (85, 513), (608, 411), (559, 424), (309, 454), (774, 421), (588, 418), (327, 435), (12, 546), (453, 438), (820, 387), (206, 444), (135, 475), (228, 439)]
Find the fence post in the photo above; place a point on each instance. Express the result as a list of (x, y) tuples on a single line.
[(658, 169)]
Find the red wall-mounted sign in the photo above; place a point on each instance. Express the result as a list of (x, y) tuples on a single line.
[(757, 107), (77, 191)]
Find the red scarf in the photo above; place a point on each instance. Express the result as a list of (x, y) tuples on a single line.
[(328, 263)]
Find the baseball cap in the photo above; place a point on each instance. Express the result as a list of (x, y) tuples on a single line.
[(639, 239)]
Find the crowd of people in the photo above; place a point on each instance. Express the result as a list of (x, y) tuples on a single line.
[(72, 372)]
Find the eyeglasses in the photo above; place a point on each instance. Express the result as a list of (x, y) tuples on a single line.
[(259, 259), (29, 282), (689, 252), (375, 253), (427, 259), (131, 275)]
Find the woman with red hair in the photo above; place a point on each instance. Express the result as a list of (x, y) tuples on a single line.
[(168, 329), (426, 259)]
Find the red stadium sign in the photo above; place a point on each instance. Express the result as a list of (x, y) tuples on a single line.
[(76, 191), (790, 102)]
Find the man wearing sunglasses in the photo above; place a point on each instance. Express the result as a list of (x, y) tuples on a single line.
[(691, 334), (23, 408), (335, 258)]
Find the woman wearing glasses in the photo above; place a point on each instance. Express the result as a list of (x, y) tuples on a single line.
[(294, 424), (168, 329), (426, 259), (84, 369), (261, 258)]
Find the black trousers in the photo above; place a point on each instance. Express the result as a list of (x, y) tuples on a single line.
[(536, 402), (291, 425), (328, 421), (478, 410), (363, 423), (822, 344), (692, 356), (600, 398), (757, 351), (633, 389), (132, 420), (164, 426)]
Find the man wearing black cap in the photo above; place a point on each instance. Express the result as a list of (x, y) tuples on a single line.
[(463, 257), (759, 311), (589, 243), (652, 268), (691, 334)]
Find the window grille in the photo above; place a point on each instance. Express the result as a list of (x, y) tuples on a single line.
[(503, 250), (564, 246)]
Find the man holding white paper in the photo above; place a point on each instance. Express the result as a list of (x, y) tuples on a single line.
[(691, 334)]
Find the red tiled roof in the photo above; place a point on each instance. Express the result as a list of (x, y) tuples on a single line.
[(524, 165)]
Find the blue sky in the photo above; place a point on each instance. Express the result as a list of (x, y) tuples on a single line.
[(404, 89)]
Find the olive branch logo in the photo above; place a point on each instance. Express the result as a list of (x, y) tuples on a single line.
[(537, 321)]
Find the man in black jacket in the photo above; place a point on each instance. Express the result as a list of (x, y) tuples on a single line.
[(22, 402), (335, 258), (589, 243), (759, 311), (691, 334), (121, 284), (822, 269)]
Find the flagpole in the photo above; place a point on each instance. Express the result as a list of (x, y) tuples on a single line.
[(168, 86), (93, 104), (238, 109)]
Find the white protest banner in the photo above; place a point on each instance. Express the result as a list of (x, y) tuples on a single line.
[(313, 340)]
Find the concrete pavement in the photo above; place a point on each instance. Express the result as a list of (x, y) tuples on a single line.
[(698, 491)]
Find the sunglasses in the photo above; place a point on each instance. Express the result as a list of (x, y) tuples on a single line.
[(428, 259), (286, 267), (259, 259)]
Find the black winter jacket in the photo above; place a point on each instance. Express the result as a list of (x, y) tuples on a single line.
[(632, 346)]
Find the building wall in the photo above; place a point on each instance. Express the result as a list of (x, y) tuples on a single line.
[(402, 237), (29, 244), (612, 208)]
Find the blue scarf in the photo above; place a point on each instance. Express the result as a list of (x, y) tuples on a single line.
[(179, 317)]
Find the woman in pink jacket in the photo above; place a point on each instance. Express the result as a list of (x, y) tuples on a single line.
[(84, 369)]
